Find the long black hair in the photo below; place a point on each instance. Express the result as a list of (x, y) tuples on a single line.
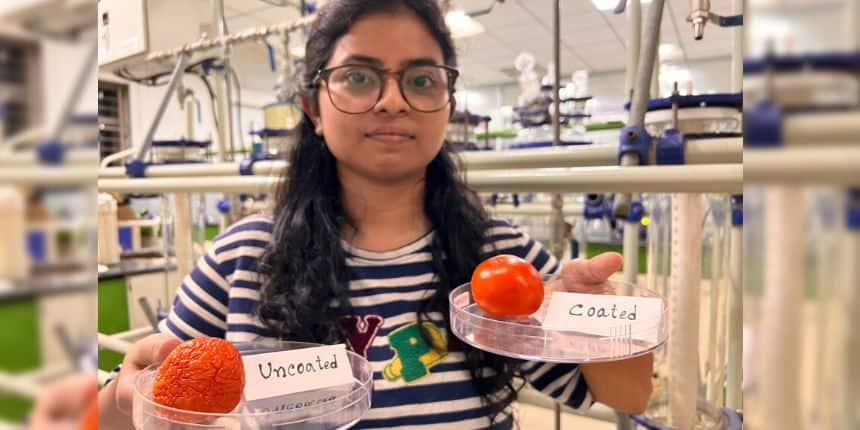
[(305, 275)]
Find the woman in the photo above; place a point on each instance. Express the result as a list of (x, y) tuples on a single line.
[(372, 229)]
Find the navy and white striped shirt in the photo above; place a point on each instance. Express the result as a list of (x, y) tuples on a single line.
[(386, 288)]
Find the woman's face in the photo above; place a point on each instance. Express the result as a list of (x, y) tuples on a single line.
[(392, 141)]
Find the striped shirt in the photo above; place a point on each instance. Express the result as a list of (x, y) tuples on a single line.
[(218, 299)]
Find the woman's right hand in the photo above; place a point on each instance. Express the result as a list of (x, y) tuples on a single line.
[(118, 396)]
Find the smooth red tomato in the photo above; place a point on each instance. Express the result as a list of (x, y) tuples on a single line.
[(507, 286)]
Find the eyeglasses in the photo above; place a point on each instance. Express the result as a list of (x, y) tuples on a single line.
[(356, 89)]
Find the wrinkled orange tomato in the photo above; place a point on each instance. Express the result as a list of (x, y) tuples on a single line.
[(507, 286), (90, 420), (202, 375)]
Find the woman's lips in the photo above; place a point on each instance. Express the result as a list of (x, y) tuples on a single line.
[(390, 134)]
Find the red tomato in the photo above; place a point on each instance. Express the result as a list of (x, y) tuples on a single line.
[(507, 286)]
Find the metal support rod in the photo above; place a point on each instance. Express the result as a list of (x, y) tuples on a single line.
[(641, 90), (250, 35), (74, 96), (556, 73), (738, 49), (175, 78), (634, 39)]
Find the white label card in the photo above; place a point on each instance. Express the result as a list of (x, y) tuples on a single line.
[(605, 315), (286, 372)]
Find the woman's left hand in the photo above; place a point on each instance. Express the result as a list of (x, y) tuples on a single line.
[(588, 276)]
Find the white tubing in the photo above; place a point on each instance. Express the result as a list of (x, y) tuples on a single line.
[(785, 208), (824, 166), (734, 399), (125, 153), (682, 349)]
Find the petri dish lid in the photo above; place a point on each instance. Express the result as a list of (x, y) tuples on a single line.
[(525, 338)]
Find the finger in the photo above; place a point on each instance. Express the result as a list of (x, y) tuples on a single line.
[(592, 271), (64, 400), (150, 350)]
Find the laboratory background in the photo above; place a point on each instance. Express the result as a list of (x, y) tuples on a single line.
[(714, 144)]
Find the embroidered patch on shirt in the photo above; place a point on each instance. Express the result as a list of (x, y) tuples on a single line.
[(413, 357)]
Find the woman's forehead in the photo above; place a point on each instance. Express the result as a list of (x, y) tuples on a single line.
[(391, 39)]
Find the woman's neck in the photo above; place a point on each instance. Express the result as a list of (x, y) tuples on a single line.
[(383, 215)]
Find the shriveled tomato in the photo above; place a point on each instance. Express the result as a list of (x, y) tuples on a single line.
[(203, 374), (90, 420), (507, 286)]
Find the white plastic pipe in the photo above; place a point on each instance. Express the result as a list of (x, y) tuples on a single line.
[(734, 396), (850, 392), (29, 159), (630, 251), (22, 387), (682, 350), (697, 151), (112, 343), (534, 209), (822, 165), (785, 209), (48, 176), (714, 178), (813, 129)]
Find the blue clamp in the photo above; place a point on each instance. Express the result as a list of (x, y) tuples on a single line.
[(634, 139), (737, 210), (637, 210), (670, 148), (594, 206), (223, 206), (731, 21), (246, 166), (51, 152), (516, 199), (852, 209), (135, 168), (763, 125), (494, 199)]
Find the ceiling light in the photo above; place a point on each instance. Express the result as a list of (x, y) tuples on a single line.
[(462, 25), (610, 4)]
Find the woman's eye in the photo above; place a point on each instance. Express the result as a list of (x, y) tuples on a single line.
[(357, 78), (422, 82)]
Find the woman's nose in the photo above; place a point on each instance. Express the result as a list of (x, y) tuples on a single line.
[(392, 100)]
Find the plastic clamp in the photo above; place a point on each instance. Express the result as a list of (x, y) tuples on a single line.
[(516, 199), (636, 140), (852, 209), (670, 148), (763, 125), (494, 199), (246, 166), (51, 152), (737, 210), (223, 206), (594, 206), (135, 168), (636, 212)]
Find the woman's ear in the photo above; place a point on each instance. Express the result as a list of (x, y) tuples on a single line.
[(311, 110)]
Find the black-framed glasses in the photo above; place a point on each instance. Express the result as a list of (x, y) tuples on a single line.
[(356, 89)]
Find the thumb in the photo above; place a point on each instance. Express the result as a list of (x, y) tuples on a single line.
[(594, 270)]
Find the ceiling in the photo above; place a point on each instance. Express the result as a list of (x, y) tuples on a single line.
[(590, 39)]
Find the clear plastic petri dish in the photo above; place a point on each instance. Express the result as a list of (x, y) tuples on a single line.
[(339, 407), (526, 338)]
